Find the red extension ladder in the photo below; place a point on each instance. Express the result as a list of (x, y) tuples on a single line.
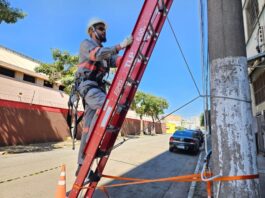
[(122, 91)]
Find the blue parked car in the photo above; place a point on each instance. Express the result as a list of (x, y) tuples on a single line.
[(185, 140)]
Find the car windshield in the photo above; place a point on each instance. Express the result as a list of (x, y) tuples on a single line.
[(183, 133)]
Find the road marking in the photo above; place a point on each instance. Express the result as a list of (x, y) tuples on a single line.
[(29, 175)]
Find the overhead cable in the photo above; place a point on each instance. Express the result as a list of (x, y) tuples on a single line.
[(183, 56)]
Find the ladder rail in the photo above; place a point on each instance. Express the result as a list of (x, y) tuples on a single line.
[(123, 71), (130, 67), (148, 52), (107, 141)]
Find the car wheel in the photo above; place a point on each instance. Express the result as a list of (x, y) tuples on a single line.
[(171, 149), (196, 150)]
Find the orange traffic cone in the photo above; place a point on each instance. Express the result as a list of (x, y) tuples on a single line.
[(61, 187)]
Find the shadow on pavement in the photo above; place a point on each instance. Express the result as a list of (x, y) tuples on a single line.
[(41, 147), (164, 165)]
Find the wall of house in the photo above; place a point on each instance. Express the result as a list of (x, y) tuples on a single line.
[(251, 37), (31, 112), (25, 123)]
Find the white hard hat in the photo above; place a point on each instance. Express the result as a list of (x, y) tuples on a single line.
[(94, 21)]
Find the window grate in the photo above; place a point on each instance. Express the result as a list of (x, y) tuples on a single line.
[(47, 84), (29, 78), (7, 72), (259, 89)]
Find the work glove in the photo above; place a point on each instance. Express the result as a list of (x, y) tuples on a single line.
[(126, 42)]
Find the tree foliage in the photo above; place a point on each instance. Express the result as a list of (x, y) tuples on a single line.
[(138, 103), (149, 105), (62, 69), (9, 14), (202, 119), (208, 118)]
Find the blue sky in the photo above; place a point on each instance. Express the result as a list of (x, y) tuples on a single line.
[(62, 24)]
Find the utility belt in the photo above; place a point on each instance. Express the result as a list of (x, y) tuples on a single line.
[(84, 80), (73, 117), (87, 71)]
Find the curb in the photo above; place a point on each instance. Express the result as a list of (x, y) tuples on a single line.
[(196, 171)]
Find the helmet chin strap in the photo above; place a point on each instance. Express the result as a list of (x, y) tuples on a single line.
[(100, 38)]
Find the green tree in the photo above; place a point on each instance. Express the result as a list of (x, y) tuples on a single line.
[(207, 121), (202, 119), (138, 105), (147, 104), (9, 14), (155, 106), (61, 70)]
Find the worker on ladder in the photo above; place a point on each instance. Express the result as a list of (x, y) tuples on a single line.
[(94, 63)]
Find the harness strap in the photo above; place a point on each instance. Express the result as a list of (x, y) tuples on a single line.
[(88, 65)]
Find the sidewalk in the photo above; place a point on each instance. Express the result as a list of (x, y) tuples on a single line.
[(261, 170), (200, 189), (38, 147)]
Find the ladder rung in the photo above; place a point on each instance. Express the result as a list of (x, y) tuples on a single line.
[(131, 81), (121, 107), (152, 32), (101, 153), (161, 6), (142, 57), (112, 129), (119, 98)]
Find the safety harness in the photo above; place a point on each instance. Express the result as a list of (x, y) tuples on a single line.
[(72, 114), (92, 71)]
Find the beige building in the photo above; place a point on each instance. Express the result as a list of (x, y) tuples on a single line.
[(191, 123), (19, 81), (34, 110)]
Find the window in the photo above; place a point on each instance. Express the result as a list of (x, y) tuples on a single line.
[(47, 84), (252, 11), (7, 72), (29, 78), (61, 87), (259, 89)]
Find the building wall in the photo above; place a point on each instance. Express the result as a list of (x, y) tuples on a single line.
[(172, 122), (31, 112), (256, 38), (24, 123), (253, 39), (14, 90), (171, 127)]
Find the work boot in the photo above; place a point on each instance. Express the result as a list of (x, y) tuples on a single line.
[(91, 177)]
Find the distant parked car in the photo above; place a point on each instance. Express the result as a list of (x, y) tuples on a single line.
[(185, 140)]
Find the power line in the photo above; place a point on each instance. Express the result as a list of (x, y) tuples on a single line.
[(183, 56), (180, 107)]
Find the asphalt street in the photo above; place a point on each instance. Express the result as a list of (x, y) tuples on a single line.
[(35, 174)]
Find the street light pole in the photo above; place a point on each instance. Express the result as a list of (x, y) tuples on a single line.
[(233, 142)]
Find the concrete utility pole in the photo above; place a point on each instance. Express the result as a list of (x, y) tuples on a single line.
[(233, 143)]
